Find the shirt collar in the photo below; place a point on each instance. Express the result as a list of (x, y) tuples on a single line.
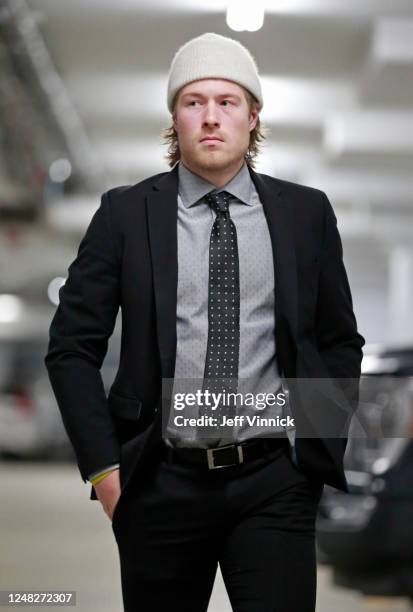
[(193, 187)]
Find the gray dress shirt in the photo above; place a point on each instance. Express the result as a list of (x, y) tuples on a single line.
[(258, 372)]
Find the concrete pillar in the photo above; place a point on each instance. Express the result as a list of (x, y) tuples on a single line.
[(400, 294)]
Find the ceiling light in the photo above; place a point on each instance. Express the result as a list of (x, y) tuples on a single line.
[(245, 15)]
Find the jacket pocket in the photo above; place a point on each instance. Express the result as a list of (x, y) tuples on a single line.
[(124, 407)]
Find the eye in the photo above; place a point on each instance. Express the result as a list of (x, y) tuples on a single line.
[(192, 102)]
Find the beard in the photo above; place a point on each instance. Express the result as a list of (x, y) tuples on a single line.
[(212, 160)]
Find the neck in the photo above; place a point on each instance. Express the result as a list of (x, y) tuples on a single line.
[(218, 177)]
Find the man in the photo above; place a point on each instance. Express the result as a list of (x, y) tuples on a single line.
[(221, 273)]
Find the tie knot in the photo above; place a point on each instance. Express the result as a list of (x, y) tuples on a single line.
[(218, 201)]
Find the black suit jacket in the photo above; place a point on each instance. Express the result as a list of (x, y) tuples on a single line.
[(128, 259)]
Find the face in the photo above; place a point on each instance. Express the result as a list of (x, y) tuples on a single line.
[(213, 123)]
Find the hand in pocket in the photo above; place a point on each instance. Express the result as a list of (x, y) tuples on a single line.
[(108, 492)]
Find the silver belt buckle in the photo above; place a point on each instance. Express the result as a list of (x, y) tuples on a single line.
[(210, 456)]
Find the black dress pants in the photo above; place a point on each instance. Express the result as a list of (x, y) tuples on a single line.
[(257, 520)]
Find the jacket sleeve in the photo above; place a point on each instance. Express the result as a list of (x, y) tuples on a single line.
[(339, 343), (78, 342)]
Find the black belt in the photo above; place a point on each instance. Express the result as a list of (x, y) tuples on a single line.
[(228, 455)]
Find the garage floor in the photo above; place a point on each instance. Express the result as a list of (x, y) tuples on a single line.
[(52, 537)]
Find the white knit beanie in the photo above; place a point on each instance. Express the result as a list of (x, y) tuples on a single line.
[(213, 56)]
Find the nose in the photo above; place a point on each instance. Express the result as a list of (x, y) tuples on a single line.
[(211, 115)]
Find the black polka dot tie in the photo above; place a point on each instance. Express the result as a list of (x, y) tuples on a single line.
[(222, 358)]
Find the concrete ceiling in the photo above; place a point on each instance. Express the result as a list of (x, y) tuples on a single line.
[(338, 100), (337, 81)]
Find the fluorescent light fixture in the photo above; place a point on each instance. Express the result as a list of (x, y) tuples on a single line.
[(378, 131), (304, 101), (245, 15), (11, 308), (125, 96)]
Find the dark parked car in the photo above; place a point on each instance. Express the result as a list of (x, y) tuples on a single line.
[(367, 534)]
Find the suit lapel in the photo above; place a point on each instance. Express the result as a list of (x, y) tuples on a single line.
[(162, 214), (280, 223)]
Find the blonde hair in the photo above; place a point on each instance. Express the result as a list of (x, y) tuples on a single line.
[(257, 135)]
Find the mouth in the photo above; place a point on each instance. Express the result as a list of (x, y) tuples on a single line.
[(211, 139)]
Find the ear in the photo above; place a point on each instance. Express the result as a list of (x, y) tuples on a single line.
[(253, 118)]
